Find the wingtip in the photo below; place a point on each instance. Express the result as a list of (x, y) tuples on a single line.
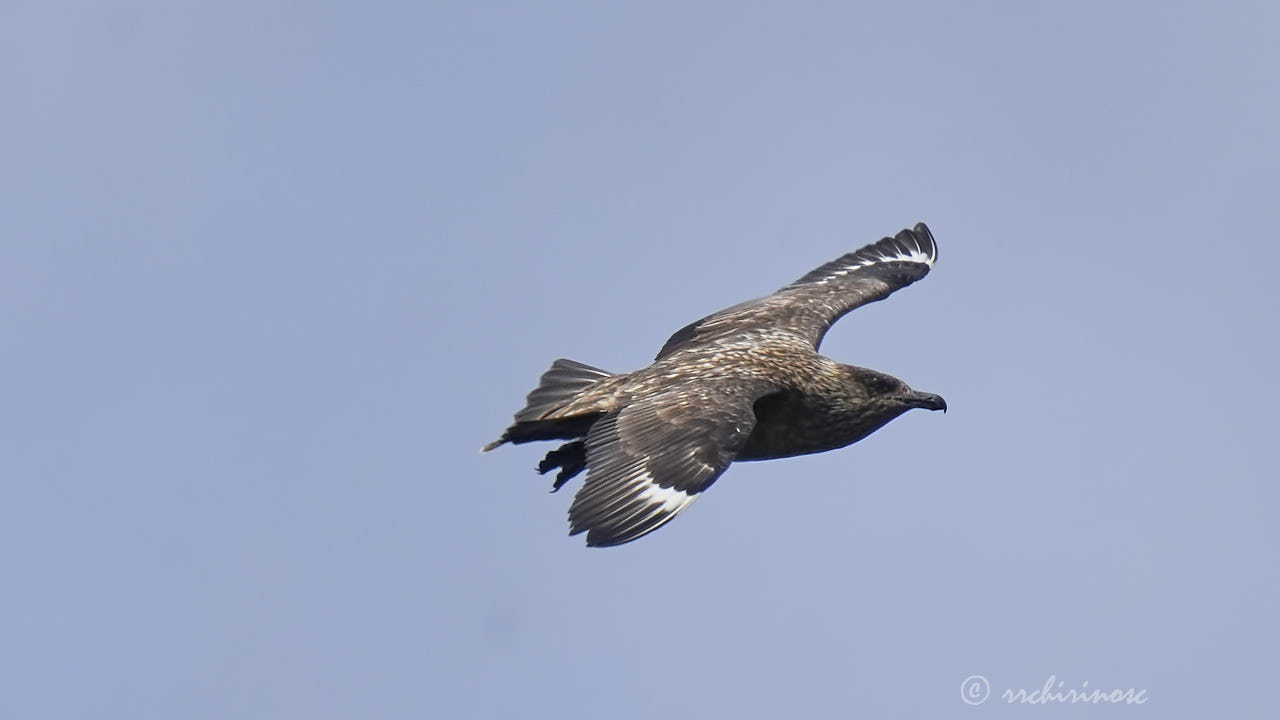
[(595, 539), (922, 237)]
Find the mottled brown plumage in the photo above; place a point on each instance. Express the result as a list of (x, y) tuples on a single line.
[(746, 383)]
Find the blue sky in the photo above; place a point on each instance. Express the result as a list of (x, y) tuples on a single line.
[(271, 275)]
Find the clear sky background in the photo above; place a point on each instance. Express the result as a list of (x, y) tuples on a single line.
[(272, 273)]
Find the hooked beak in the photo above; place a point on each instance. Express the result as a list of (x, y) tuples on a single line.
[(928, 401)]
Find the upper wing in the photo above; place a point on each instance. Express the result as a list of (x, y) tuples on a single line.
[(808, 307), (648, 461)]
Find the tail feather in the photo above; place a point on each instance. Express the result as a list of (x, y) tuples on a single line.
[(559, 385), (562, 383)]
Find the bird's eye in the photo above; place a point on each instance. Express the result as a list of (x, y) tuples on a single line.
[(878, 386)]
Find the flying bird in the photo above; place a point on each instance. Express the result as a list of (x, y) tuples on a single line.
[(745, 383)]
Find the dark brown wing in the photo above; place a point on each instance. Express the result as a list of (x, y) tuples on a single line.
[(809, 306), (650, 460)]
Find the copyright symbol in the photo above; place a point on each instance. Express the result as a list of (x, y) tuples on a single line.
[(974, 690)]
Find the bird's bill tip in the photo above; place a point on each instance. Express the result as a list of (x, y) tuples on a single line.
[(929, 401)]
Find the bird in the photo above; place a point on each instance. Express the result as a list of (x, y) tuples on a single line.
[(742, 384)]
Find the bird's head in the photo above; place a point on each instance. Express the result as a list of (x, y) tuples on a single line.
[(888, 394)]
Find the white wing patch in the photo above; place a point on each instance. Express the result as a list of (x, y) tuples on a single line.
[(905, 254), (621, 512), (670, 499)]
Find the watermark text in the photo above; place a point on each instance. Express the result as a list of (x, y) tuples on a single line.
[(976, 689)]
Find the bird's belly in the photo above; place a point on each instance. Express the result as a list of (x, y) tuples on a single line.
[(793, 425), (779, 440)]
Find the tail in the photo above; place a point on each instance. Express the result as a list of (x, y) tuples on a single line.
[(560, 385)]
